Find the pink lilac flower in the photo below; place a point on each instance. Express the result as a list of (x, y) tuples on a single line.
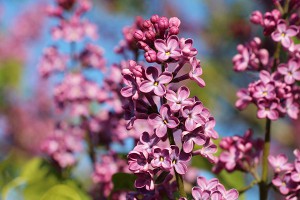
[(279, 163), (189, 138), (161, 158), (179, 99), (137, 161), (295, 176), (291, 71), (187, 49), (131, 88), (192, 115), (155, 81), (167, 49), (283, 33), (267, 109), (163, 121), (179, 160), (196, 71)]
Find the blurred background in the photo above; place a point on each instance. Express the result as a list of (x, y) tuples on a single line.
[(26, 107)]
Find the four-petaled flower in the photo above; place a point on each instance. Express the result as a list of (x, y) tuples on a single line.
[(163, 121), (283, 33), (167, 49), (155, 81)]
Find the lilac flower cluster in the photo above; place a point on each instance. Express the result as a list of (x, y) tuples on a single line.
[(239, 153), (276, 93), (63, 143), (212, 189), (84, 104), (286, 175), (173, 115)]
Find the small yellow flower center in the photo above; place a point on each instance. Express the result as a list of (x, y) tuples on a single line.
[(265, 93), (174, 161), (155, 83), (161, 158), (168, 53), (283, 34), (165, 121)]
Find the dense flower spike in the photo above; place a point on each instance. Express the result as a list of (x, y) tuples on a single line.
[(275, 94), (239, 153), (152, 97)]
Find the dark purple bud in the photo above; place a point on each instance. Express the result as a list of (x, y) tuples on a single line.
[(154, 18), (138, 35), (150, 56), (163, 23), (174, 30), (150, 35), (147, 24)]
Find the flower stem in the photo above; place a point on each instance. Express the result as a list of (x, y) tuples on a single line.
[(179, 179), (263, 186)]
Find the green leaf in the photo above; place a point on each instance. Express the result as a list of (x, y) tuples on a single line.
[(61, 192), (123, 181)]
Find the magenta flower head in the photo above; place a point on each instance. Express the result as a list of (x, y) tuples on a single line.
[(155, 81), (137, 161), (179, 99), (167, 49), (161, 158), (280, 163), (131, 88), (268, 109), (290, 71), (189, 138), (192, 115), (187, 49), (196, 71), (283, 33), (179, 160), (163, 121)]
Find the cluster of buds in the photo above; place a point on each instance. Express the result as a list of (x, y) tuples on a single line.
[(286, 175), (277, 92), (181, 126), (239, 153)]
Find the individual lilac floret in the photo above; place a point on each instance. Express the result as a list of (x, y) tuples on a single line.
[(280, 163), (163, 121), (267, 109), (137, 161), (196, 71), (189, 138), (146, 142), (283, 33), (187, 49), (144, 180), (131, 88), (155, 81), (179, 99), (167, 49), (161, 158), (192, 115), (296, 174), (291, 71), (179, 160)]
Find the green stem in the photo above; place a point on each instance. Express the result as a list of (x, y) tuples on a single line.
[(263, 185), (179, 179), (244, 189)]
